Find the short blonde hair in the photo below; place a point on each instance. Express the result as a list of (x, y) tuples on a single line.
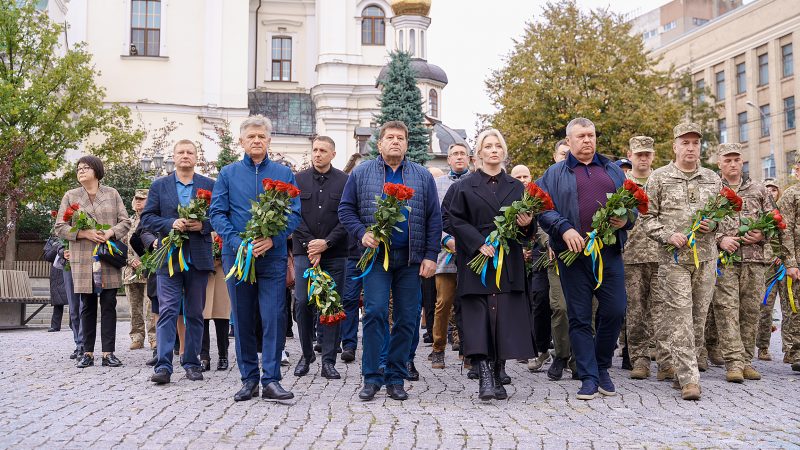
[(491, 132)]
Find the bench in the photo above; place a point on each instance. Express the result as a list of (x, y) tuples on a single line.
[(15, 293)]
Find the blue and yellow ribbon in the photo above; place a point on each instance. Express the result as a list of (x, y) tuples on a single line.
[(385, 243), (497, 260), (593, 246), (314, 274), (780, 275), (183, 262), (692, 236), (243, 266)]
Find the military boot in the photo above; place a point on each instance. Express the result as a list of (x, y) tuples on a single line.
[(734, 376), (750, 373), (690, 392), (665, 374), (640, 371), (764, 355), (702, 364), (715, 357)]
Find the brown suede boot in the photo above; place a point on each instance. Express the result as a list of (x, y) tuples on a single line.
[(691, 392)]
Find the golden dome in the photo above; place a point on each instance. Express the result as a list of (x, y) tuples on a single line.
[(411, 7)]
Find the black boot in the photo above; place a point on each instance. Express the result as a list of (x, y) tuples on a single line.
[(499, 371), (152, 361), (486, 380), (626, 359)]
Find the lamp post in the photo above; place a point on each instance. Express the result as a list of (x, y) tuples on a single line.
[(764, 120)]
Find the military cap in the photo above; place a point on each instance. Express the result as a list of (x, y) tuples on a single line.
[(771, 182), (641, 144), (727, 149), (686, 128), (141, 193)]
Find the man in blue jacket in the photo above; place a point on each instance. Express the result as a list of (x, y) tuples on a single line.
[(239, 184), (579, 186), (184, 290), (413, 251)]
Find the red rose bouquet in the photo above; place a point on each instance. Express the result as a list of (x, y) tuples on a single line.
[(619, 204), (197, 209), (270, 216), (217, 246), (322, 294), (534, 200), (389, 212), (768, 222), (722, 205)]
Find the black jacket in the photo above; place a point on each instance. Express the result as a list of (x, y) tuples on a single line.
[(319, 218), (469, 217)]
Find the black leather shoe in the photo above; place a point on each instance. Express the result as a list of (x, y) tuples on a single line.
[(427, 338), (222, 364), (556, 370), (111, 361), (329, 371), (368, 391), (249, 390), (274, 391), (50, 330), (473, 372), (318, 348), (501, 372), (303, 365), (205, 365), (194, 373), (152, 361), (78, 352), (396, 392), (85, 361), (348, 355), (161, 376), (413, 375)]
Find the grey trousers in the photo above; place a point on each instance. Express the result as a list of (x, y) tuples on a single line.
[(74, 309)]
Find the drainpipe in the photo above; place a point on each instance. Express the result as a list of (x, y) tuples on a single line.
[(255, 61)]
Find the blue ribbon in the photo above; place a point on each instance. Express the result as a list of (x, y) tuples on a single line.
[(371, 262), (448, 258), (495, 244), (247, 261), (779, 276), (590, 249)]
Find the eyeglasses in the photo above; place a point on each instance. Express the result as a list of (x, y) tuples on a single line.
[(83, 169)]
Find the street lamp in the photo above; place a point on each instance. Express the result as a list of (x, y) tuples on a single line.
[(145, 163), (764, 120), (169, 164)]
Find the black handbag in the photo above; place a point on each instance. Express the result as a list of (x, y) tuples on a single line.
[(113, 252)]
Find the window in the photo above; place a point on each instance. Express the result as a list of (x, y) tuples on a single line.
[(746, 169), (722, 129), (433, 103), (649, 34), (768, 167), (700, 87), (698, 21), (373, 26), (412, 42), (670, 26), (145, 27), (763, 69), (788, 113), (764, 120), (741, 118), (787, 58), (281, 58), (290, 113), (741, 79), (720, 77), (401, 41)]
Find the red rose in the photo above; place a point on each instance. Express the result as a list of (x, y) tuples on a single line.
[(75, 206), (68, 214), (390, 189), (204, 195), (53, 213), (293, 191), (266, 183), (775, 211), (782, 225), (630, 185), (405, 193), (642, 207), (547, 202), (778, 218), (639, 195), (533, 189)]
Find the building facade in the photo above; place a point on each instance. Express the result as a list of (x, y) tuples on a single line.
[(746, 59), (667, 23)]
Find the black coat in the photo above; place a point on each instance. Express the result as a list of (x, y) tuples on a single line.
[(53, 250), (469, 218)]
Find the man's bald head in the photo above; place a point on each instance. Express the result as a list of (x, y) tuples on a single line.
[(522, 173)]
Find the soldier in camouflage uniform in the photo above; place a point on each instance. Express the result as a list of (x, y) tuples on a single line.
[(740, 288), (789, 205), (135, 286), (641, 269), (676, 192)]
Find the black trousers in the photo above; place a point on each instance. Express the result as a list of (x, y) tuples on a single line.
[(108, 320), (459, 321), (58, 315), (429, 302), (540, 311), (221, 327)]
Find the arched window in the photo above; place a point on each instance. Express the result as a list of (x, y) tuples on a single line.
[(412, 43), (373, 26), (433, 103), (422, 44), (401, 41)]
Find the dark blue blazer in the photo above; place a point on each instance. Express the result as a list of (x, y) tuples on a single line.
[(161, 211)]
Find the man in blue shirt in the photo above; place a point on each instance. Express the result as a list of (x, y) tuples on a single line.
[(414, 248)]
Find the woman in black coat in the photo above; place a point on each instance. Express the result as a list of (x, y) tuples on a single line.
[(496, 321), (54, 253)]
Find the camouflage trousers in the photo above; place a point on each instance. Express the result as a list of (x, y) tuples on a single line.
[(641, 285), (682, 307), (140, 314), (792, 329), (736, 301), (765, 321)]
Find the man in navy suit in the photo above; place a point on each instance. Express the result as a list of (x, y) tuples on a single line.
[(183, 288)]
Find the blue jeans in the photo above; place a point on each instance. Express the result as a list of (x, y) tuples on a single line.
[(306, 315), (351, 294), (593, 352), (402, 280), (265, 300), (186, 292)]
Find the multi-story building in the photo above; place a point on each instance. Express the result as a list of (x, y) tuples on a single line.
[(746, 59), (667, 23), (309, 65)]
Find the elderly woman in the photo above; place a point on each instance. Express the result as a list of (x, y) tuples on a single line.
[(104, 205), (496, 321)]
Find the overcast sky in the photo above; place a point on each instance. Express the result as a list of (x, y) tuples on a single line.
[(469, 38)]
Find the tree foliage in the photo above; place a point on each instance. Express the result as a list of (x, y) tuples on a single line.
[(49, 103), (223, 137), (584, 64), (401, 100)]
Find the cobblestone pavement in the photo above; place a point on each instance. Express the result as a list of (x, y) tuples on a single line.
[(48, 403)]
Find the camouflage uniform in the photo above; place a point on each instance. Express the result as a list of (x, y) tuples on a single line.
[(765, 322), (789, 205), (740, 288), (135, 288), (641, 258), (683, 304)]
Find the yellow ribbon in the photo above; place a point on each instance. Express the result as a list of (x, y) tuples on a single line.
[(693, 242), (593, 247), (499, 267), (791, 294), (385, 255)]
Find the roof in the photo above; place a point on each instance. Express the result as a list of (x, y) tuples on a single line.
[(445, 136), (423, 69)]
